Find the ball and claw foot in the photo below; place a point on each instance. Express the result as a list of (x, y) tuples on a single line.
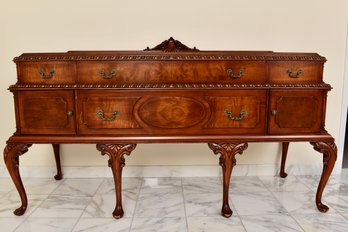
[(20, 211), (118, 212), (226, 211), (322, 208)]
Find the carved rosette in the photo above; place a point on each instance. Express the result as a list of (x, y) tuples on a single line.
[(327, 149), (228, 151), (119, 149)]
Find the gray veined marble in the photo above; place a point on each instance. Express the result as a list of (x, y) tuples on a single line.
[(288, 184), (102, 206), (243, 184), (103, 224), (47, 225), (256, 203), (78, 187), (322, 222), (172, 224), (270, 223), (130, 186), (202, 185), (204, 204), (160, 203), (300, 202), (10, 201), (56, 206), (210, 224)]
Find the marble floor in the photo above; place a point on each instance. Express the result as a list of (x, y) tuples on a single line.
[(262, 203)]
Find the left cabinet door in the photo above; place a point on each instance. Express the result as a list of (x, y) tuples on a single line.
[(46, 112)]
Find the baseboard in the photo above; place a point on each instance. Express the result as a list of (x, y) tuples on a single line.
[(166, 171)]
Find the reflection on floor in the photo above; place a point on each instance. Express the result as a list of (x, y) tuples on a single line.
[(176, 204)]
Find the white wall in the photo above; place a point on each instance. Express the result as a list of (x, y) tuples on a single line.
[(278, 25)]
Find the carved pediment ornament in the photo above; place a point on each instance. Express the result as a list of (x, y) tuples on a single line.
[(171, 45)]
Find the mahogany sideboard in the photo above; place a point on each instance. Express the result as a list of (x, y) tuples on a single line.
[(169, 93)]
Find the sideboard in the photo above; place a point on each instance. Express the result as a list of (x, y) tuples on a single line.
[(167, 94)]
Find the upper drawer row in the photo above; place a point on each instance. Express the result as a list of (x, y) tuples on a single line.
[(127, 72)]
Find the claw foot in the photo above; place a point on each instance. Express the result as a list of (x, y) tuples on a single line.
[(226, 211), (322, 208), (20, 211), (118, 212)]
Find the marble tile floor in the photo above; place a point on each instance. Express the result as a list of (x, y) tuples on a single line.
[(260, 204)]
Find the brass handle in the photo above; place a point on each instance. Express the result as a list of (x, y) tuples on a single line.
[(47, 76), (235, 76), (107, 76), (274, 112), (70, 113), (230, 116), (100, 114), (293, 75)]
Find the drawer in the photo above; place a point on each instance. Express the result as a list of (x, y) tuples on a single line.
[(57, 72), (238, 112), (112, 72), (295, 72), (101, 112), (180, 112), (46, 112), (296, 111)]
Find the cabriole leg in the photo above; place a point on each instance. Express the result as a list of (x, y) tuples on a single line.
[(12, 152), (56, 150), (285, 147), (116, 154), (329, 151), (227, 153)]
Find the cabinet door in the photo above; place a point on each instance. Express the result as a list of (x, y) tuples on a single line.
[(46, 112), (296, 111)]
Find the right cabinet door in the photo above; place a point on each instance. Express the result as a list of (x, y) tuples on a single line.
[(296, 111)]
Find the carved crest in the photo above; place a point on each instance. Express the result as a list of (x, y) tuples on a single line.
[(171, 45)]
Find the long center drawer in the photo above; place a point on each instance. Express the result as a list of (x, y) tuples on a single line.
[(171, 112)]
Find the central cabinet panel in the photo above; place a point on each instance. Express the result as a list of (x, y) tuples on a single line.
[(157, 112)]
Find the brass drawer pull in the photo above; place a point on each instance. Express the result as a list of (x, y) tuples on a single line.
[(107, 76), (274, 112), (230, 116), (47, 76), (235, 76), (100, 114), (292, 75)]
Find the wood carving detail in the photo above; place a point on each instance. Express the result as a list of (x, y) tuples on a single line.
[(171, 45), (11, 157), (171, 86), (116, 161), (329, 151), (227, 161)]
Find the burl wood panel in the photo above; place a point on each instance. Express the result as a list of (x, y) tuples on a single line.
[(296, 111), (46, 112), (63, 72), (171, 72)]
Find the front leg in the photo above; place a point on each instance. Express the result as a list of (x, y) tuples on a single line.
[(116, 154), (285, 147), (227, 153), (329, 151), (12, 152)]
